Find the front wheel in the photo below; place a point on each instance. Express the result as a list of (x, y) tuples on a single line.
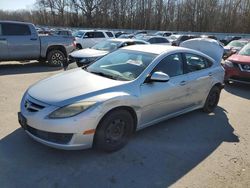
[(56, 58), (212, 100), (114, 131)]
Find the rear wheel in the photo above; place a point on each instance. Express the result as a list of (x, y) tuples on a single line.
[(78, 46), (212, 99), (56, 58), (114, 131)]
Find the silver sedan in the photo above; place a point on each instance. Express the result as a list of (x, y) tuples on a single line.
[(103, 104)]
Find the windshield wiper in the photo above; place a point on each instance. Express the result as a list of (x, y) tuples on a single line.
[(103, 74)]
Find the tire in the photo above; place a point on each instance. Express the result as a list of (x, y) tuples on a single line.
[(114, 131), (79, 64), (56, 58), (212, 100), (78, 46)]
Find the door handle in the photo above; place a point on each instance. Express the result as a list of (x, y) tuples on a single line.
[(182, 83), (33, 38)]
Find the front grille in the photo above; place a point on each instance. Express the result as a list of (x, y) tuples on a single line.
[(59, 138), (32, 106)]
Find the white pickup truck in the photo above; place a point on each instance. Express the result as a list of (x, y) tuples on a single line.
[(20, 41)]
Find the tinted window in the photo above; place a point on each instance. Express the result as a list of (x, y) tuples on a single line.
[(109, 34), (89, 35), (15, 29), (161, 40), (0, 29), (152, 41), (195, 62), (139, 42), (171, 65), (99, 35)]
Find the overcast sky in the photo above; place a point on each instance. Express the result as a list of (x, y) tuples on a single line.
[(16, 4)]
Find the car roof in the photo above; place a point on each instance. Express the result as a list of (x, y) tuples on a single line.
[(153, 48), (125, 40), (90, 30)]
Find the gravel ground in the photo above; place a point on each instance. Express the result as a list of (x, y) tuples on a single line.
[(193, 150)]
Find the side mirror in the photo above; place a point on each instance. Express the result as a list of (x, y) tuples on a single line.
[(158, 77)]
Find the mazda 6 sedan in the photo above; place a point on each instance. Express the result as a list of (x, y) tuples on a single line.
[(103, 104)]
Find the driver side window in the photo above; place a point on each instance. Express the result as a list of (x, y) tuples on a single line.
[(171, 65)]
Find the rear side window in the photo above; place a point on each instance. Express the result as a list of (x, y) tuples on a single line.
[(109, 34), (171, 65), (196, 62), (89, 35), (15, 29), (99, 35), (161, 40), (152, 41)]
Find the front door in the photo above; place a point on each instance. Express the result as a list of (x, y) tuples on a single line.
[(160, 99)]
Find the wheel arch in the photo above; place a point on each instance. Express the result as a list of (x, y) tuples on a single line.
[(130, 109), (56, 47)]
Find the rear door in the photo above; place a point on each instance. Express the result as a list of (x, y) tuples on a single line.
[(200, 76), (22, 43), (4, 53), (99, 36)]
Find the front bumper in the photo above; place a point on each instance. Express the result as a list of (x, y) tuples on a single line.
[(64, 133), (235, 74)]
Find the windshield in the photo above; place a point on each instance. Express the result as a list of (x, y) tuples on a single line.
[(107, 45), (245, 50), (237, 44), (78, 34), (122, 64)]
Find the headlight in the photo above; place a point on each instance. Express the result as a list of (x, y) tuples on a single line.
[(228, 63), (87, 60), (71, 110)]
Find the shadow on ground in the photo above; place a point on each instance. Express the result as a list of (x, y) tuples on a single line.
[(238, 89), (155, 157), (24, 68)]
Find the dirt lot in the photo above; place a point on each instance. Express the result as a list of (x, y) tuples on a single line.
[(194, 150)]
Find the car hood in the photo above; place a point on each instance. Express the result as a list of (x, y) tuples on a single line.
[(71, 86), (210, 47), (89, 52), (240, 58)]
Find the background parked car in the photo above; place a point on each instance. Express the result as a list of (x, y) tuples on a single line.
[(154, 39), (237, 66), (234, 46), (164, 33), (182, 38), (62, 32), (20, 41), (87, 56), (88, 38)]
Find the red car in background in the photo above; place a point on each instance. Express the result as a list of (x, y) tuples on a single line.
[(237, 66)]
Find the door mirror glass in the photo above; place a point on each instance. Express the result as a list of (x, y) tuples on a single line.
[(159, 77)]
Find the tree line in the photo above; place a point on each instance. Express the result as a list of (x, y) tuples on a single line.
[(177, 15)]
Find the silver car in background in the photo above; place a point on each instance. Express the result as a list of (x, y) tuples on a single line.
[(88, 55), (134, 87)]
